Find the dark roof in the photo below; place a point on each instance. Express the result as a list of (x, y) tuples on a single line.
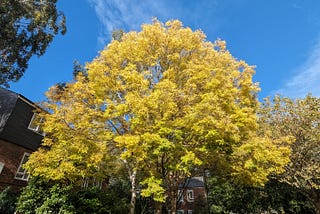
[(8, 100), (16, 112), (193, 182)]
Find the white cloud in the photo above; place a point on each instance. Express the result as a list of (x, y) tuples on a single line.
[(125, 14), (307, 77), (130, 14)]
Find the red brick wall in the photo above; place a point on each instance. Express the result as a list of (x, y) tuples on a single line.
[(199, 202), (11, 155)]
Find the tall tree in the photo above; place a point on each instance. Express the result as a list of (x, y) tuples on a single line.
[(299, 118), (168, 102), (27, 28)]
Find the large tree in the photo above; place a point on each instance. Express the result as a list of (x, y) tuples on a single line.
[(169, 103), (300, 119), (27, 28)]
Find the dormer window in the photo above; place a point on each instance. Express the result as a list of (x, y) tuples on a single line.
[(35, 124)]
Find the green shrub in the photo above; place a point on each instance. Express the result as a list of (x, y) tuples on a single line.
[(8, 199), (48, 197)]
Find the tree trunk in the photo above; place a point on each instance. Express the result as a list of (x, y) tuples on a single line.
[(316, 205), (158, 207), (315, 198), (173, 198), (174, 207), (133, 192)]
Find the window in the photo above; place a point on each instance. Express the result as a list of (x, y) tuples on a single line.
[(190, 195), (91, 182), (1, 166), (190, 211), (35, 124), (22, 173), (180, 211), (180, 195)]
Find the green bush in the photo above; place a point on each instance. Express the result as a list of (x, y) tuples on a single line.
[(225, 196), (8, 199), (48, 197)]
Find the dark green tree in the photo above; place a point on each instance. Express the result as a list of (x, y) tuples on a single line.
[(228, 196), (8, 200), (27, 28)]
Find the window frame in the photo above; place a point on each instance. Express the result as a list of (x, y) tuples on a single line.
[(22, 173), (91, 182), (180, 195), (190, 199), (1, 166), (36, 127)]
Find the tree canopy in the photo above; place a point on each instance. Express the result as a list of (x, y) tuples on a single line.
[(298, 118), (168, 103), (27, 28)]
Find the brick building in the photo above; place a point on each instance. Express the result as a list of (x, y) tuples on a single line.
[(19, 137), (192, 196)]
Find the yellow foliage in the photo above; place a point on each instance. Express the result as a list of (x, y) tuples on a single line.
[(154, 189), (76, 144), (259, 157), (167, 101)]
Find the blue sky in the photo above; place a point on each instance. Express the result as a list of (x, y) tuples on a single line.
[(280, 37)]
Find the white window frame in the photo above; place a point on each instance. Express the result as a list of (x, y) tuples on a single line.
[(91, 182), (180, 195), (35, 127), (85, 183), (190, 195), (22, 173), (97, 183), (1, 166), (180, 211)]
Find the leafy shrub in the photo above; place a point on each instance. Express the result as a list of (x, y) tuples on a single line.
[(49, 197), (8, 199)]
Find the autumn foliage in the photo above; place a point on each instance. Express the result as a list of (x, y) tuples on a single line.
[(164, 102)]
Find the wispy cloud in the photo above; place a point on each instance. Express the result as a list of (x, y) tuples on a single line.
[(307, 77), (125, 14), (130, 14)]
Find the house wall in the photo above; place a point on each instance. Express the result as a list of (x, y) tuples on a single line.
[(199, 202), (11, 155)]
